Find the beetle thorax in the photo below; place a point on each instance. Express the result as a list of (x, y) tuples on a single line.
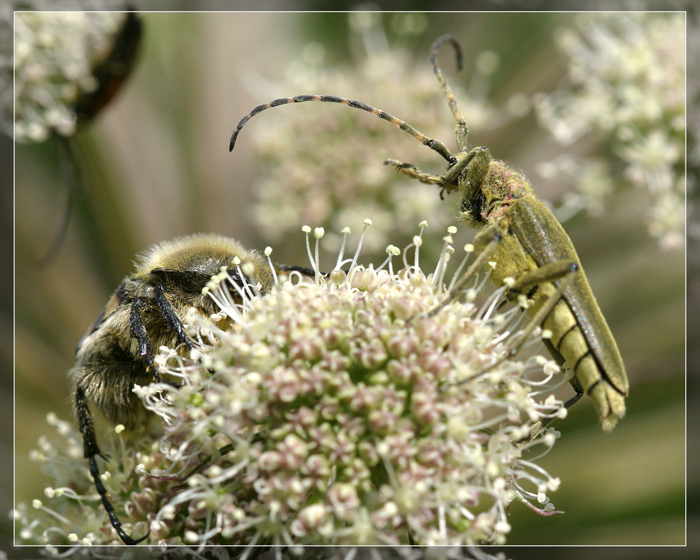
[(502, 186)]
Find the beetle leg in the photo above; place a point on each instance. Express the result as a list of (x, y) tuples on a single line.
[(412, 171), (540, 426), (549, 272), (576, 384), (523, 336), (532, 278), (566, 271), (486, 241), (450, 179)]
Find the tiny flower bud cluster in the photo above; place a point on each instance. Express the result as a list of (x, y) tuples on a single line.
[(335, 409), (339, 412)]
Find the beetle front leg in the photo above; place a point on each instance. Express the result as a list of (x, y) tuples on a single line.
[(477, 160), (412, 171), (486, 243)]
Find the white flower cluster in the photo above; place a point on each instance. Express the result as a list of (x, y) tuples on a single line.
[(627, 76), (333, 410), (55, 55)]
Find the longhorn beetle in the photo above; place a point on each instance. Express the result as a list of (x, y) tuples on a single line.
[(534, 256)]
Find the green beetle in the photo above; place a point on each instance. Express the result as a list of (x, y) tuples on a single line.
[(533, 254)]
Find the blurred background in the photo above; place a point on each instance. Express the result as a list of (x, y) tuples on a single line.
[(589, 107)]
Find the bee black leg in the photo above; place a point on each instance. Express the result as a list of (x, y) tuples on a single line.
[(138, 331), (91, 449), (87, 429), (170, 316), (102, 491), (304, 271)]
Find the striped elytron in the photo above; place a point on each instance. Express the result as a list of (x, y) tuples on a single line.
[(534, 255)]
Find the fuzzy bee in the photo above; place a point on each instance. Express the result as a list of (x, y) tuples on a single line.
[(147, 311)]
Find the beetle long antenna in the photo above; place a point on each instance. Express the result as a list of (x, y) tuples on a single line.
[(461, 131), (435, 145)]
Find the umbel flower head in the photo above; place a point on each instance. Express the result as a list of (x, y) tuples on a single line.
[(60, 58), (332, 410)]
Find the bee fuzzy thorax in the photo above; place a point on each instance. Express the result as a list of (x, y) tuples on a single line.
[(188, 250), (203, 253)]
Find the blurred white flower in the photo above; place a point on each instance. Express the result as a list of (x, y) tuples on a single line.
[(324, 163), (627, 91), (56, 57)]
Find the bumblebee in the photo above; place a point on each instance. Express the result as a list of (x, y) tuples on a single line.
[(147, 311)]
